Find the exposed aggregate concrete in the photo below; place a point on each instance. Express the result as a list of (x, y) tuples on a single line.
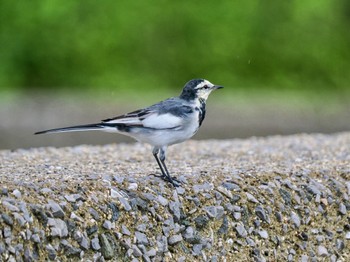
[(260, 199)]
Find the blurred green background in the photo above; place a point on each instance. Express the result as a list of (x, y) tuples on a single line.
[(287, 56)]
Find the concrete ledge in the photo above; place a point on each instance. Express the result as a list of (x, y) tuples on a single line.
[(262, 199)]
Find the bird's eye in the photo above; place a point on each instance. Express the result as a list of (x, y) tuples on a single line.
[(205, 87)]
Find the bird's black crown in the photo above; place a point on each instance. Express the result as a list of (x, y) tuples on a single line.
[(189, 91)]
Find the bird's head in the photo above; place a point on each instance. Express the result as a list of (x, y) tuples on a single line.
[(198, 88)]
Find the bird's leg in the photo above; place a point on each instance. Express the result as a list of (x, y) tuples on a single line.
[(162, 160), (165, 174), (155, 154)]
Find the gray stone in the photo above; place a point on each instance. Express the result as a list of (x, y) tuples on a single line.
[(28, 255), (197, 249), (56, 209), (295, 219), (125, 203), (191, 236), (94, 214), (17, 193), (340, 244), (125, 230), (322, 251), (263, 234), (136, 251), (241, 231), (141, 227), (19, 219), (342, 209), (71, 251), (180, 190), (347, 235), (162, 200), (304, 258), (95, 244), (312, 189), (175, 239), (107, 224), (58, 227), (35, 238), (73, 198), (162, 244), (51, 252), (115, 211), (9, 206), (231, 186), (84, 243), (224, 226), (2, 247), (152, 252), (175, 210), (286, 196), (251, 198), (237, 215), (91, 230), (141, 238), (7, 232), (7, 219), (45, 190), (215, 211), (260, 212), (202, 187), (107, 248)]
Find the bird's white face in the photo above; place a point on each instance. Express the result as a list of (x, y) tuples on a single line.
[(204, 89)]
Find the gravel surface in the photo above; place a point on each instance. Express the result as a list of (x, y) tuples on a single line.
[(260, 199)]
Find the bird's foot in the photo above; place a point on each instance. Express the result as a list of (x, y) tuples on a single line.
[(171, 179)]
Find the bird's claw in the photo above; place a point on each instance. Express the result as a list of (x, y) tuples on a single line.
[(171, 179)]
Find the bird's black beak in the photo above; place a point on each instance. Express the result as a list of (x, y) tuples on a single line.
[(217, 87)]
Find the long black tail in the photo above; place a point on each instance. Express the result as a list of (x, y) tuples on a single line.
[(89, 127)]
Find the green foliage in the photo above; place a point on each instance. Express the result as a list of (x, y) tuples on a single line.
[(274, 44)]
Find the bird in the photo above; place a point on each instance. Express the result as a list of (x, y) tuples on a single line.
[(168, 122)]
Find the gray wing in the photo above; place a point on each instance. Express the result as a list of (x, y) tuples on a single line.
[(167, 114)]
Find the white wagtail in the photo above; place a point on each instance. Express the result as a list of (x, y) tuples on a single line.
[(168, 122)]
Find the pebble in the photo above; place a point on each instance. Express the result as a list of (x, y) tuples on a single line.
[(56, 209), (51, 252), (231, 186), (7, 219), (251, 198), (175, 210), (133, 186), (175, 239), (107, 248), (260, 212), (125, 230), (215, 211), (241, 231), (347, 235), (135, 251), (58, 227), (162, 200), (95, 244), (263, 234), (295, 219), (17, 193), (141, 238), (313, 190), (94, 214), (201, 221), (107, 224), (125, 203), (342, 209), (322, 251)]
